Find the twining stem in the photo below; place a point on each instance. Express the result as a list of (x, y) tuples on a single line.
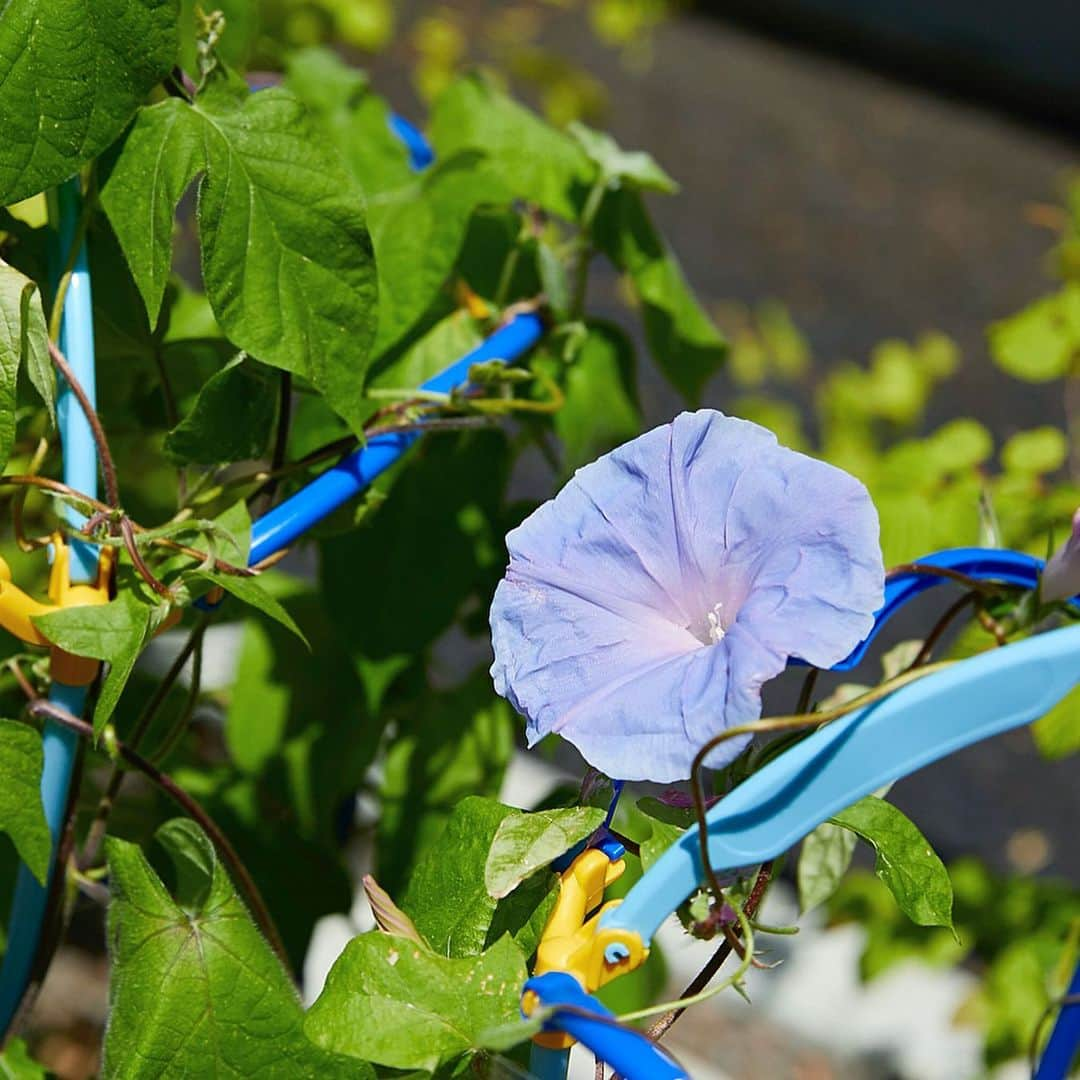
[(805, 694), (46, 483), (939, 628), (179, 728), (190, 807), (281, 439), (1040, 1025), (585, 245), (139, 562), (986, 588), (784, 723), (108, 468), (96, 834), (18, 502), (705, 976), (683, 1003)]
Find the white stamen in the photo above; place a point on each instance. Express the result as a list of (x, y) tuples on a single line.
[(716, 628)]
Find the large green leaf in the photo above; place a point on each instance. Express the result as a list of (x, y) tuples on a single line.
[(446, 897), (393, 1002), (418, 231), (72, 72), (601, 409), (448, 746), (633, 167), (194, 989), (250, 590), (534, 160), (160, 157), (297, 720), (667, 823), (357, 119), (450, 488), (682, 338), (24, 344), (524, 843), (231, 420), (447, 341), (907, 864), (115, 632), (22, 815), (824, 860), (286, 257)]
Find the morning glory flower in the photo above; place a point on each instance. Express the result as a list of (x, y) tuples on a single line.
[(1061, 578), (646, 604)]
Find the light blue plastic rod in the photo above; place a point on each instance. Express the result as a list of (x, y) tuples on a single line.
[(854, 756), (59, 744)]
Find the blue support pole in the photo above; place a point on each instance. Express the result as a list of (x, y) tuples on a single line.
[(60, 745), (292, 518)]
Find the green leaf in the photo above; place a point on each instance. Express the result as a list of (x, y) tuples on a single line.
[(666, 824), (1037, 452), (448, 746), (115, 632), (1040, 343), (524, 843), (448, 340), (286, 257), (682, 338), (907, 864), (1057, 734), (451, 487), (24, 344), (446, 898), (17, 1064), (157, 162), (250, 590), (22, 815), (357, 119), (824, 860), (194, 988), (635, 167), (232, 417), (71, 74), (395, 1003), (418, 232), (534, 161), (601, 408)]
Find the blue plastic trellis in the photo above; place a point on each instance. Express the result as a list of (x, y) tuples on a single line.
[(60, 745)]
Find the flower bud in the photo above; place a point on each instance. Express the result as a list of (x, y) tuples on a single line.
[(1061, 578)]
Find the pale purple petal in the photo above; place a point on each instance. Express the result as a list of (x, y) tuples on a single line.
[(1061, 578), (646, 604)]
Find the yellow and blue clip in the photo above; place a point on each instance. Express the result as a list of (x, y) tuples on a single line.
[(18, 610)]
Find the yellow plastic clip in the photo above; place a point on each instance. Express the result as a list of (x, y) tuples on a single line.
[(573, 943), (18, 610)]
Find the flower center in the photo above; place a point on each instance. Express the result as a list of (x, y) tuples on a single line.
[(716, 627)]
